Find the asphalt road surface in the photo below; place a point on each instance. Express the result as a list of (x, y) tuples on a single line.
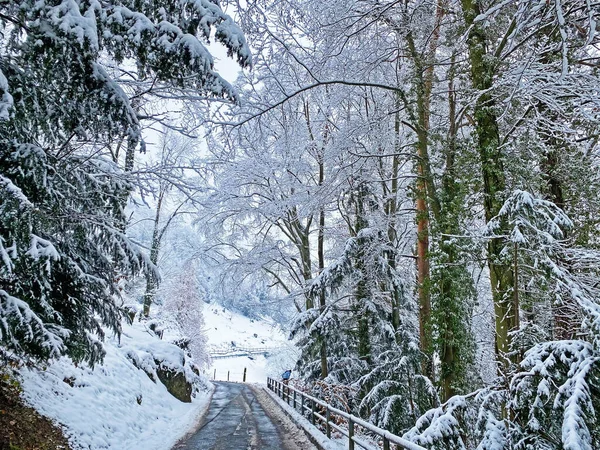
[(237, 420)]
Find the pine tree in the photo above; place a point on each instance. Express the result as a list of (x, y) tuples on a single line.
[(61, 242)]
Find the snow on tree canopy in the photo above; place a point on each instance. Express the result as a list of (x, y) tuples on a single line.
[(63, 118), (423, 121), (528, 215), (555, 397), (6, 100)]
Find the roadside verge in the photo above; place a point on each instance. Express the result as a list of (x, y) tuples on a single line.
[(313, 434)]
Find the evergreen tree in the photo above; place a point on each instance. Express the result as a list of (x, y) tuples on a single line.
[(61, 242)]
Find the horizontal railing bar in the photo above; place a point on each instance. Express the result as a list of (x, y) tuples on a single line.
[(340, 429), (362, 443), (392, 438), (223, 351)]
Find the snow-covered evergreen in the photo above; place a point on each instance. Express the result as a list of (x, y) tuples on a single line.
[(411, 189), (62, 196)]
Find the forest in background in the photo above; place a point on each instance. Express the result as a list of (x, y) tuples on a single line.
[(417, 179)]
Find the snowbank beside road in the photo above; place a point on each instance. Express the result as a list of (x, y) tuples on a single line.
[(317, 436), (117, 405)]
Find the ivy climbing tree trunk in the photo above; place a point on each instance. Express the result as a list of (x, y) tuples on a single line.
[(427, 204), (454, 283), (494, 181), (361, 295)]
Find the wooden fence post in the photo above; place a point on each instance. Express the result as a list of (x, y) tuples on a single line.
[(312, 412), (350, 434), (228, 375), (244, 379), (294, 399), (327, 426)]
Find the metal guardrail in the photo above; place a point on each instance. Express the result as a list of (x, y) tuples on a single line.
[(309, 404), (231, 355), (240, 351)]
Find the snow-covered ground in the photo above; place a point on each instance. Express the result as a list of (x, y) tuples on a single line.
[(230, 330), (116, 405), (227, 329), (339, 443), (256, 369)]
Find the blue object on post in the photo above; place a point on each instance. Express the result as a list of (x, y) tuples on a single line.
[(286, 375)]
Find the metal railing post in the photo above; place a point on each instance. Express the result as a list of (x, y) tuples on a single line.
[(386, 443), (320, 411), (350, 434)]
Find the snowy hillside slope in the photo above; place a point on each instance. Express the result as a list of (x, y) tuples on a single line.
[(229, 330), (116, 405)]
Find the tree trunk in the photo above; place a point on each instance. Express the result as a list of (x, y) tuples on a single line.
[(391, 210), (491, 159), (321, 233), (151, 281), (299, 235), (321, 258), (449, 225), (426, 198), (362, 291)]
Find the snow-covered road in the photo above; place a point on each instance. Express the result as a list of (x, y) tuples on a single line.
[(242, 418)]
